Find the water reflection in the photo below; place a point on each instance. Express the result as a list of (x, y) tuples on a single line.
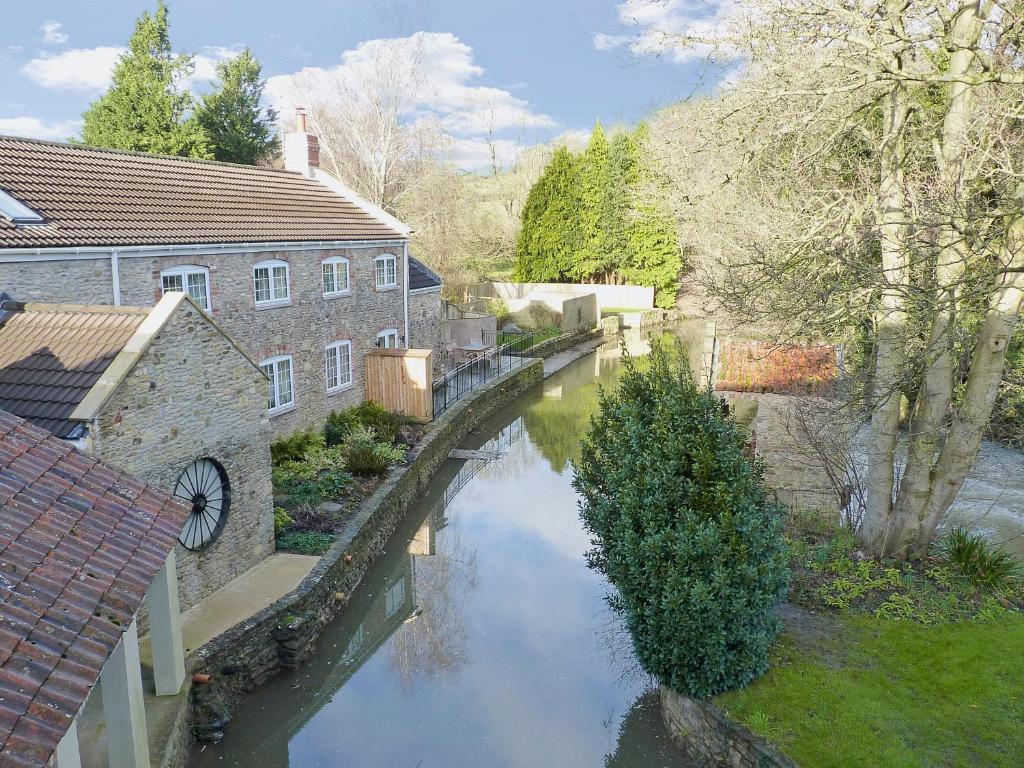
[(480, 637)]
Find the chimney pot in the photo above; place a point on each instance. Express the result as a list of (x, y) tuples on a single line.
[(300, 120)]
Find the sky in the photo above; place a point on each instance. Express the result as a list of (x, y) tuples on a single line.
[(523, 71)]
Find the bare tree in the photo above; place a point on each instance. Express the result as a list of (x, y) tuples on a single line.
[(363, 113), (869, 166)]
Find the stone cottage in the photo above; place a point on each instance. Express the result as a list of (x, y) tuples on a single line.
[(424, 307), (165, 394), (304, 274)]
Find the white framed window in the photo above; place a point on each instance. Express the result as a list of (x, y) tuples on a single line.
[(386, 270), (270, 283), (281, 388), (190, 279), (394, 598), (335, 276), (338, 359), (388, 339)]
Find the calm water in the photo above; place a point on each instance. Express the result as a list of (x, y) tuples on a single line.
[(480, 638)]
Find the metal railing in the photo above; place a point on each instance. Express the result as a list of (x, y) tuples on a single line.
[(463, 379)]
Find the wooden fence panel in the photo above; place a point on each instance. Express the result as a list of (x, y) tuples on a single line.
[(401, 380)]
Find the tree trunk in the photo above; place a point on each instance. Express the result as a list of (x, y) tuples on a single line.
[(891, 326)]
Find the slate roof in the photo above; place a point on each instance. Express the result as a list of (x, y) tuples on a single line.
[(80, 543), (103, 197), (421, 276), (51, 355)]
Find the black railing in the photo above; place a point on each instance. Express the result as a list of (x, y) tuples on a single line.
[(488, 365)]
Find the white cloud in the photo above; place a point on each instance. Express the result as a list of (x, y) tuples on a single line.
[(207, 61), (34, 128), (439, 81), (80, 69), (52, 34), (660, 25), (605, 42), (474, 154)]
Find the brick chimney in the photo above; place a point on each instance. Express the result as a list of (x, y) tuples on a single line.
[(301, 148)]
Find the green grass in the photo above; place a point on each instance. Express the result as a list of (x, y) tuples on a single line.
[(538, 336), (894, 693), (621, 310), (304, 542)]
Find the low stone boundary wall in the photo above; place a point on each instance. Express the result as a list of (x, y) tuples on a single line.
[(703, 730), (282, 635), (608, 328)]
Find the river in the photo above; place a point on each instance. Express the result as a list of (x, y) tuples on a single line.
[(480, 637)]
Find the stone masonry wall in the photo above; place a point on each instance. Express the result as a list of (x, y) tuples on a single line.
[(425, 321), (283, 635), (703, 730), (302, 328), (192, 395)]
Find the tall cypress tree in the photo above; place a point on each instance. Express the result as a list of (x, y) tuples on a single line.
[(144, 109), (238, 129), (594, 184), (549, 240), (655, 258)]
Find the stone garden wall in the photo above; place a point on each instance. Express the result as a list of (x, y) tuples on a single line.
[(702, 729)]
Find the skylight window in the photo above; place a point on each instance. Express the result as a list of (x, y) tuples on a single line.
[(16, 211)]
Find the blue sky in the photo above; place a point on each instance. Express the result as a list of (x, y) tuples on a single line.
[(542, 67)]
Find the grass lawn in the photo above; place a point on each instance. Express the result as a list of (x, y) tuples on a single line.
[(540, 335), (876, 692), (620, 310)]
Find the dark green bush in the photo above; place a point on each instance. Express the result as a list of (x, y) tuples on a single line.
[(305, 542), (295, 447), (366, 455), (318, 476), (682, 528), (982, 563)]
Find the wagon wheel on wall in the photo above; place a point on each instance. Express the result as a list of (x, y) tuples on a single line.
[(204, 486)]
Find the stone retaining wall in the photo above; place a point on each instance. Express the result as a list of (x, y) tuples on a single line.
[(282, 635), (703, 730), (609, 327)]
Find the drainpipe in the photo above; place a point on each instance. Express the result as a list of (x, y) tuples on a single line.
[(115, 278), (405, 253)]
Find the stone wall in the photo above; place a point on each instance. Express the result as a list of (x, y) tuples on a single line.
[(425, 321), (632, 296), (302, 328), (193, 395), (282, 636), (703, 730), (578, 313)]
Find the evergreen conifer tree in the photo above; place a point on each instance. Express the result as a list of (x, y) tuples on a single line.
[(593, 212), (239, 130), (144, 109), (550, 237)]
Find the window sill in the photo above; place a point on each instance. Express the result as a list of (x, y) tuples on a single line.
[(341, 389), (273, 304), (386, 288), (337, 295), (272, 412)]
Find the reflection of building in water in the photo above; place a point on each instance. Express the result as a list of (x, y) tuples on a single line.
[(499, 444)]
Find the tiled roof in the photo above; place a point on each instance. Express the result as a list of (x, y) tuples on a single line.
[(80, 543), (101, 197), (52, 354), (421, 276)]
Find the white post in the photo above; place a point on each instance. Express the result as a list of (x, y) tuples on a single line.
[(123, 706), (67, 754), (165, 630)]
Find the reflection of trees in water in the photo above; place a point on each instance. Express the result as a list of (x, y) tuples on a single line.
[(643, 739), (433, 643)]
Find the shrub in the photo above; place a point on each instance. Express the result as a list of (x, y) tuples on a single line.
[(366, 455), (281, 520), (317, 476), (682, 528), (985, 565), (295, 447), (305, 542), (385, 425)]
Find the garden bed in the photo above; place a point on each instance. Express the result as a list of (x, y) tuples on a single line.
[(890, 664)]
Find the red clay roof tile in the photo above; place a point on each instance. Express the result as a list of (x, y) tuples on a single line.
[(74, 568)]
